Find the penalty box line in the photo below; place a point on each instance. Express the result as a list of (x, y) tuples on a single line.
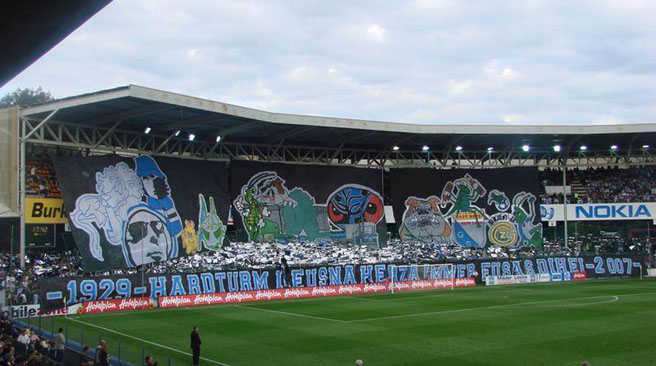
[(145, 341), (290, 314)]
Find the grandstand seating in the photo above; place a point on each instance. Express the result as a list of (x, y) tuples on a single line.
[(41, 180), (602, 185)]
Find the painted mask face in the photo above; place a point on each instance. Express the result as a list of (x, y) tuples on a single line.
[(352, 205), (146, 238)]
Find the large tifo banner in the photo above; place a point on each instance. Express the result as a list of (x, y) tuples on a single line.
[(125, 212), (308, 202), (470, 208), (300, 282)]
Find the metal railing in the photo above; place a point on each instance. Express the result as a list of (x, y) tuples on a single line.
[(122, 352)]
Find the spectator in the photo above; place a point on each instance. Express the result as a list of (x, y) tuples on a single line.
[(149, 361), (8, 355), (84, 358), (34, 358), (102, 355), (23, 342), (34, 339), (60, 345)]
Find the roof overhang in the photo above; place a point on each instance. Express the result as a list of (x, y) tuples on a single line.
[(136, 107), (30, 28)]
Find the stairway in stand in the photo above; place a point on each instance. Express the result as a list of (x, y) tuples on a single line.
[(578, 189)]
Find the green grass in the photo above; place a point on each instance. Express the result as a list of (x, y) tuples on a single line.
[(609, 322)]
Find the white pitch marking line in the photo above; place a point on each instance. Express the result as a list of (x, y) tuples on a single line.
[(290, 314), (145, 341), (487, 307), (613, 299), (438, 295)]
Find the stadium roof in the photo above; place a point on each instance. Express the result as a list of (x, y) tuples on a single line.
[(133, 108), (30, 28)]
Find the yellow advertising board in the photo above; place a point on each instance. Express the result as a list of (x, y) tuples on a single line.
[(45, 211)]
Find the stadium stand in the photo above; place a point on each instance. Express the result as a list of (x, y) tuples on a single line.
[(41, 179), (593, 185), (602, 185)]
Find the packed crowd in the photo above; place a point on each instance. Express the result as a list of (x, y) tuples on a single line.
[(23, 347), (602, 185), (41, 180), (21, 284)]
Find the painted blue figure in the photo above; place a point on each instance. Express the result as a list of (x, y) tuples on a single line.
[(158, 195)]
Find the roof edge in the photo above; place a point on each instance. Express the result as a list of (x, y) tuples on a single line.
[(161, 96)]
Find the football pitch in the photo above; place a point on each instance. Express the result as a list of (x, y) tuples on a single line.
[(607, 322)]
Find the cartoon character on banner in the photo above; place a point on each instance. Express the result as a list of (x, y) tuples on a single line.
[(499, 200), (189, 237), (117, 189), (251, 213), (132, 207), (211, 230), (147, 238), (354, 211), (469, 226), (423, 221), (262, 199), (523, 209), (158, 194)]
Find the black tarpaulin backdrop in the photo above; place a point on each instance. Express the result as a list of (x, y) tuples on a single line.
[(507, 199), (186, 178), (424, 182)]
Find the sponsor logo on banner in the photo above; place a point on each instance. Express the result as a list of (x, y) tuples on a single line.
[(239, 296), (268, 295), (374, 287), (350, 290), (434, 284), (296, 293), (209, 299), (323, 291), (45, 211), (31, 310), (105, 306), (175, 301), (579, 276)]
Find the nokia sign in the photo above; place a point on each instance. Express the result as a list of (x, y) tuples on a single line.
[(612, 211), (600, 211)]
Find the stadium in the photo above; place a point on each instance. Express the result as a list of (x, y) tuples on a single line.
[(131, 215)]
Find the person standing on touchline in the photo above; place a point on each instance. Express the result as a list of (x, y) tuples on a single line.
[(195, 345)]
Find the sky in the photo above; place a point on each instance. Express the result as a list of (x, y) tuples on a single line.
[(410, 61)]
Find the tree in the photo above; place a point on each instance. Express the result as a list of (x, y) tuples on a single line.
[(25, 97)]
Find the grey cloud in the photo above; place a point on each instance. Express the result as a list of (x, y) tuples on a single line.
[(430, 62)]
